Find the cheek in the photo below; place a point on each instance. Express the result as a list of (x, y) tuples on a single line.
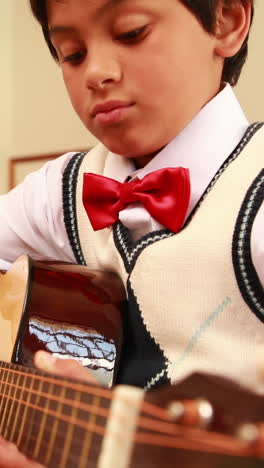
[(73, 89), (158, 79), (147, 77), (157, 73)]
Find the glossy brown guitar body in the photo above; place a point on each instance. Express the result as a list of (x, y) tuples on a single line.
[(67, 310), (75, 312)]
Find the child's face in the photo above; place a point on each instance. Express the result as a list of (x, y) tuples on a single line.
[(151, 55)]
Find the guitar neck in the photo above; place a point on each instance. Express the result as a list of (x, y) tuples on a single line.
[(50, 418), (65, 423)]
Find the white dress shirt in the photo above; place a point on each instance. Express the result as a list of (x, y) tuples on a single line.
[(31, 215)]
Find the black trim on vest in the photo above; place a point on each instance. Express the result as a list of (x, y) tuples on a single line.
[(252, 129), (141, 357), (130, 250), (246, 275), (69, 183)]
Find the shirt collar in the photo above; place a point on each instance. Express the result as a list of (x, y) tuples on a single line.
[(202, 146)]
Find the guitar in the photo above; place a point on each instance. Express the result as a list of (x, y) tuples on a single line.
[(65, 309), (204, 421)]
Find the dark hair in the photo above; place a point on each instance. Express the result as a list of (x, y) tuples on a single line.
[(205, 12)]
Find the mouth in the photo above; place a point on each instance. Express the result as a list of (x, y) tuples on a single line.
[(110, 111)]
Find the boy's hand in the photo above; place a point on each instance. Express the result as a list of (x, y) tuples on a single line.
[(62, 367), (10, 457)]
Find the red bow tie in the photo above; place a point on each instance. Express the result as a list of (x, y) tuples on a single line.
[(164, 193)]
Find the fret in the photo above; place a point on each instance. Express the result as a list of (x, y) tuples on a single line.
[(2, 387), (22, 436), (57, 406), (16, 390), (87, 441), (7, 402), (73, 413), (2, 371), (47, 387), (35, 415), (16, 426)]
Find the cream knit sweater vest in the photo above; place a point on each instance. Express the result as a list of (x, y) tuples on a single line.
[(196, 293)]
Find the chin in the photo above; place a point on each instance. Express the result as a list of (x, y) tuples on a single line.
[(123, 149), (130, 149)]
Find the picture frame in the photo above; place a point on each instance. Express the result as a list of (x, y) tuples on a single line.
[(19, 167)]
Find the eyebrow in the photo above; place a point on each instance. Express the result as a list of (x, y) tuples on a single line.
[(62, 29)]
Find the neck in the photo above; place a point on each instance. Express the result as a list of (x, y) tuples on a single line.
[(142, 161)]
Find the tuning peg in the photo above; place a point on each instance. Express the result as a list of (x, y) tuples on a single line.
[(196, 413), (248, 433), (252, 434)]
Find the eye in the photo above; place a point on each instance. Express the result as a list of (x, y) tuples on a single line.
[(74, 59), (132, 36)]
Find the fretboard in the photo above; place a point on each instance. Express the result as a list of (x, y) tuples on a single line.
[(67, 424), (52, 419)]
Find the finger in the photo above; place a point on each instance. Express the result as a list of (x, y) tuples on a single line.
[(62, 367), (10, 457)]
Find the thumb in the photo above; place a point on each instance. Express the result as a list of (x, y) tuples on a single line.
[(62, 367), (10, 457)]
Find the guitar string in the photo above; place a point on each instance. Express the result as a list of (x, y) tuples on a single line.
[(80, 422), (101, 411), (57, 450), (3, 386), (88, 408), (41, 426), (30, 424), (3, 413), (26, 409), (12, 406), (234, 447), (169, 442), (148, 408), (83, 424), (50, 445), (60, 435), (54, 428), (70, 429), (87, 444), (85, 387), (194, 436)]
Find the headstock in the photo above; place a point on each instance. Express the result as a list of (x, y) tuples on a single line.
[(207, 414), (232, 403)]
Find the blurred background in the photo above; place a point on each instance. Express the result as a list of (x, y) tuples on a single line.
[(36, 117)]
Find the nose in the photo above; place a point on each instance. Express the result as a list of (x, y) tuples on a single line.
[(102, 69)]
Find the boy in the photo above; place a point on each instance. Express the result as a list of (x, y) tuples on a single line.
[(149, 80)]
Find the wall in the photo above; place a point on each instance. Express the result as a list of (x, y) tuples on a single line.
[(35, 113), (44, 117), (7, 42), (250, 89)]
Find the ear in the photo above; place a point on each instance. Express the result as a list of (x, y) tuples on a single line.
[(232, 26)]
